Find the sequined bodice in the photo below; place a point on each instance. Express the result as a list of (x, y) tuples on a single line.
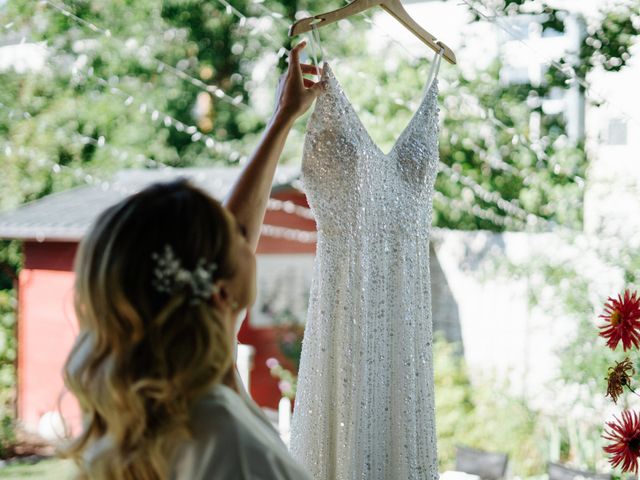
[(365, 398), (341, 161)]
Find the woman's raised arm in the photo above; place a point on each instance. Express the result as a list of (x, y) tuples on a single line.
[(248, 198)]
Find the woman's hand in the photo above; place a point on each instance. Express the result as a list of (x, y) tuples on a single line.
[(295, 94), (248, 198)]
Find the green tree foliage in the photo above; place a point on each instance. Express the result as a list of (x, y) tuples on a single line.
[(120, 87)]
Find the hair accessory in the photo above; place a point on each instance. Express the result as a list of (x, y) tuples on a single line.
[(170, 277)]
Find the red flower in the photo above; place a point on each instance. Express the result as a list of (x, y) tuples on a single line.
[(625, 435), (623, 321)]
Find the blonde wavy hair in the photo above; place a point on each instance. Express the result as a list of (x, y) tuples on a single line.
[(142, 357)]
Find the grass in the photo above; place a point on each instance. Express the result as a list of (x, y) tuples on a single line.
[(54, 469)]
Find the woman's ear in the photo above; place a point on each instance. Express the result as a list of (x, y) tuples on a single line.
[(220, 295)]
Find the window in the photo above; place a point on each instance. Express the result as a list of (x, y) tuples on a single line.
[(617, 134)]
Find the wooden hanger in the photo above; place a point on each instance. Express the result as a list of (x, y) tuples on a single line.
[(394, 7)]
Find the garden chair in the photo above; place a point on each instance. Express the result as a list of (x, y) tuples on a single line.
[(557, 471), (487, 465)]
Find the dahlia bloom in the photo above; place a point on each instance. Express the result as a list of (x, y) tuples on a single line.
[(623, 321), (624, 435)]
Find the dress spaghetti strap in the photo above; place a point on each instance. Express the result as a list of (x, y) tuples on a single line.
[(315, 42), (435, 67)]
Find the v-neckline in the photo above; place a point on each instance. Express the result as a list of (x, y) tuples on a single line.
[(329, 71)]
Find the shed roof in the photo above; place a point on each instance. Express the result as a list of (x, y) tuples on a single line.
[(66, 216)]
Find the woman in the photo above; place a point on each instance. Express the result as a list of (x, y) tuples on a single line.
[(161, 281)]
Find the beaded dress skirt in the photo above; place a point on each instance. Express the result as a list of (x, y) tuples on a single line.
[(364, 407)]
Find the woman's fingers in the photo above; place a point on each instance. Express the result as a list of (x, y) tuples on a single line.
[(306, 68), (294, 59), (294, 92), (297, 68)]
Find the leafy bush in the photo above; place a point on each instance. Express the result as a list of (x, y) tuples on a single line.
[(7, 369), (483, 416)]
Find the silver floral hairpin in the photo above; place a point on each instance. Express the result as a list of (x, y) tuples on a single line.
[(169, 276)]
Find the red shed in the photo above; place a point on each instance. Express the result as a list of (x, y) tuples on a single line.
[(51, 229)]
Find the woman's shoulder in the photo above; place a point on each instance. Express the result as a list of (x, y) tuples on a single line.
[(223, 414), (231, 442), (219, 400), (216, 412)]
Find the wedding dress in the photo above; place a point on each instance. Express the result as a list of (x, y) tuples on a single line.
[(364, 406)]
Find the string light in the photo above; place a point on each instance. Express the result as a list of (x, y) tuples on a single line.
[(566, 70), (38, 159), (267, 230), (230, 9), (71, 15), (12, 112), (277, 16), (534, 147), (302, 236), (290, 207), (209, 88), (169, 121), (491, 197), (485, 195), (273, 204), (496, 162), (510, 207), (476, 210), (219, 147), (488, 114), (161, 66)]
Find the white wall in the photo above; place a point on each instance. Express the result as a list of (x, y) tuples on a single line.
[(612, 199), (502, 336)]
